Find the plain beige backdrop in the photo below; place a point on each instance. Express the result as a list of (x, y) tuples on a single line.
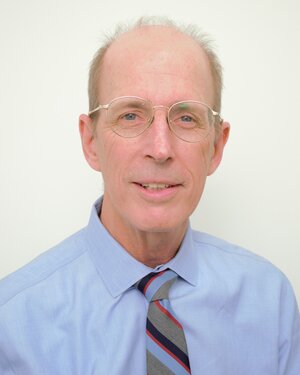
[(46, 187)]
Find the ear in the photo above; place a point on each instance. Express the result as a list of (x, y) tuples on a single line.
[(219, 144), (89, 142)]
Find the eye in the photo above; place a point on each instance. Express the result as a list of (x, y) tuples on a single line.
[(129, 116), (186, 118)]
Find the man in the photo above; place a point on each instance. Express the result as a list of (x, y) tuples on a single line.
[(155, 133)]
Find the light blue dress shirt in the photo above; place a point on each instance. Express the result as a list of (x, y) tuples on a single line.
[(73, 310)]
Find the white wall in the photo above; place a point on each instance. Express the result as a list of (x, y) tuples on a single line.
[(46, 187)]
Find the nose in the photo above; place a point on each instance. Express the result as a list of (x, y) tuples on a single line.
[(159, 145)]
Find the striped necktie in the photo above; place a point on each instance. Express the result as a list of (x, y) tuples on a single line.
[(166, 346)]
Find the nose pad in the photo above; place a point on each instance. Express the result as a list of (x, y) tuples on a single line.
[(157, 108)]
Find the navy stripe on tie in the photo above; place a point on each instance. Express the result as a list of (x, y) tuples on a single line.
[(146, 279), (167, 344)]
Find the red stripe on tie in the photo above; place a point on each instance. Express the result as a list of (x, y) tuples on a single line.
[(167, 313), (168, 351), (152, 278)]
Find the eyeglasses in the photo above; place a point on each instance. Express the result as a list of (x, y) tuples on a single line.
[(130, 116)]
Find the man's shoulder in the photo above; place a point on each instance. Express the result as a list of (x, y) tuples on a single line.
[(206, 238), (225, 247), (40, 269), (240, 272), (231, 258)]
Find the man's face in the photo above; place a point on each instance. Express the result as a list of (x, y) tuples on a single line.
[(152, 182)]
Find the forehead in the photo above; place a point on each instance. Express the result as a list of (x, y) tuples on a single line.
[(143, 59)]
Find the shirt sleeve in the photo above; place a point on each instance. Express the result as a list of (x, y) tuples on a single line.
[(289, 337)]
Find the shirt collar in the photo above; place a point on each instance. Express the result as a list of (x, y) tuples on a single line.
[(119, 270)]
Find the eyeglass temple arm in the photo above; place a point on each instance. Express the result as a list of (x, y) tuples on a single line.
[(101, 106), (217, 114)]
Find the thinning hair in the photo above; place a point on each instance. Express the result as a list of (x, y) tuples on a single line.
[(191, 30)]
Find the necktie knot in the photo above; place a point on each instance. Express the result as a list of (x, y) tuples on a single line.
[(155, 286)]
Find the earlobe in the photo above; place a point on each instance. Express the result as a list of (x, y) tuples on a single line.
[(88, 141), (220, 142)]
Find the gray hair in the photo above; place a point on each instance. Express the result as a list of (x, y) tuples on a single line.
[(191, 30)]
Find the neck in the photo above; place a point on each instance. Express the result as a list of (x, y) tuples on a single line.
[(152, 248)]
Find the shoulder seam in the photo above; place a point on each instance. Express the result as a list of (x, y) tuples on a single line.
[(254, 257), (43, 277)]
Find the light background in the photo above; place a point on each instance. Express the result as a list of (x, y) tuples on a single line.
[(46, 187)]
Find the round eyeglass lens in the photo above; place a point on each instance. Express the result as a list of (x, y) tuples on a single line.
[(129, 117), (190, 121)]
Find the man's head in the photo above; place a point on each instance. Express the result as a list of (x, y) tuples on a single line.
[(153, 182)]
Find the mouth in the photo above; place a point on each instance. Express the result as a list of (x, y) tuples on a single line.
[(154, 186), (158, 191)]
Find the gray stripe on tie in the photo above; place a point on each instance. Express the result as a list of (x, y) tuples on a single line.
[(167, 327), (154, 366), (163, 291)]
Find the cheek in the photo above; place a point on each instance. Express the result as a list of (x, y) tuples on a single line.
[(114, 156), (207, 153), (198, 160), (198, 165), (107, 151)]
